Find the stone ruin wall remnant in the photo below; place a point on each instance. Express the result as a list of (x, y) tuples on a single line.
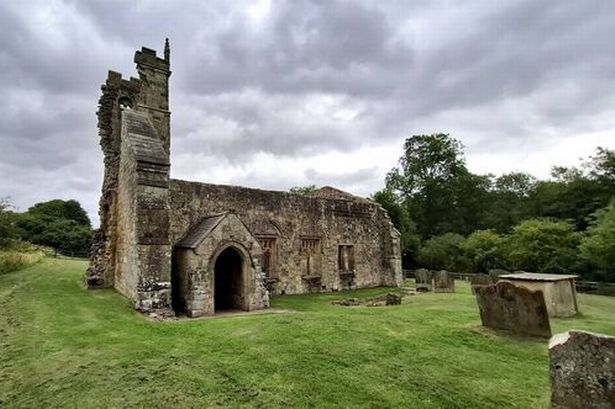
[(144, 213)]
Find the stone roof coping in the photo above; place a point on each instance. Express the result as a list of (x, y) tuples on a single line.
[(524, 276), (144, 140), (199, 232)]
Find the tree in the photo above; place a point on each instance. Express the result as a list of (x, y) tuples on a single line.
[(63, 225), (8, 231), (508, 201), (440, 194), (443, 252), (483, 249), (69, 209), (304, 190), (599, 245), (576, 193), (400, 218), (542, 246)]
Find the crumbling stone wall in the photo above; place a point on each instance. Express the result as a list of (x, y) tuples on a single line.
[(116, 90), (148, 94), (332, 222), (143, 214)]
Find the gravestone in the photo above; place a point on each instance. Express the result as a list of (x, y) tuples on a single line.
[(422, 280), (582, 370), (481, 279), (506, 306), (495, 274), (443, 282)]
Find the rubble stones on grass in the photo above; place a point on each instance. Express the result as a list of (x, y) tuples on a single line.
[(380, 301)]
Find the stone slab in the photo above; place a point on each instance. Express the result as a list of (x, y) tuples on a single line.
[(423, 280), (443, 282), (506, 306), (582, 370)]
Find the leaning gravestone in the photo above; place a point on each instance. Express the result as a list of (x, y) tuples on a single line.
[(443, 282), (582, 370), (422, 279), (480, 279), (506, 306)]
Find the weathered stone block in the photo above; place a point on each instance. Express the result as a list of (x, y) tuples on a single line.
[(582, 370), (443, 282), (423, 279), (505, 306)]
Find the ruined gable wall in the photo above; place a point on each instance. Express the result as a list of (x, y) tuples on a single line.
[(359, 222), (148, 94), (101, 272)]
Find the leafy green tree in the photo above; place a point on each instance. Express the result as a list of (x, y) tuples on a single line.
[(8, 231), (509, 201), (444, 252), (304, 190), (400, 218), (576, 193), (543, 246), (433, 183), (63, 225), (599, 245), (69, 209), (484, 250)]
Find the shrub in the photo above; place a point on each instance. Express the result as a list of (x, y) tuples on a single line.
[(15, 260), (483, 249), (443, 252), (598, 247), (542, 246)]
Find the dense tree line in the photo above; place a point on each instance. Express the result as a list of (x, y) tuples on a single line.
[(59, 224), (453, 219)]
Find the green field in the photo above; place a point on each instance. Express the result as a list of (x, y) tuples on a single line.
[(64, 346)]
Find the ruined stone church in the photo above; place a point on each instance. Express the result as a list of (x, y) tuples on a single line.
[(201, 248)]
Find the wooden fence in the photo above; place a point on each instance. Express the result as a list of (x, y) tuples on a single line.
[(589, 287)]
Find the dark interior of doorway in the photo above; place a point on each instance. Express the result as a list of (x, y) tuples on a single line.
[(228, 280)]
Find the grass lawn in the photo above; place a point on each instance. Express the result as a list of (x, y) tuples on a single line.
[(64, 346)]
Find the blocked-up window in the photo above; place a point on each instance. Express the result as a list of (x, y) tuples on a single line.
[(269, 255), (345, 258), (310, 249)]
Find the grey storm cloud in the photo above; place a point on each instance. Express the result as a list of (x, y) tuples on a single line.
[(299, 78)]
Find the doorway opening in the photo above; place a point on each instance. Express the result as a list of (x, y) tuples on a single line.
[(228, 281)]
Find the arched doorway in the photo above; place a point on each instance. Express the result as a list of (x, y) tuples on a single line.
[(228, 281)]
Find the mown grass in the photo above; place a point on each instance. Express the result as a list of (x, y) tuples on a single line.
[(64, 346)]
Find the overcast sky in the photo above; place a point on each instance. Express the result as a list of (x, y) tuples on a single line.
[(275, 94)]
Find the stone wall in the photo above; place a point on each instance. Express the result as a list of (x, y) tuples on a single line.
[(194, 269), (126, 257), (134, 199), (115, 92), (300, 224)]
